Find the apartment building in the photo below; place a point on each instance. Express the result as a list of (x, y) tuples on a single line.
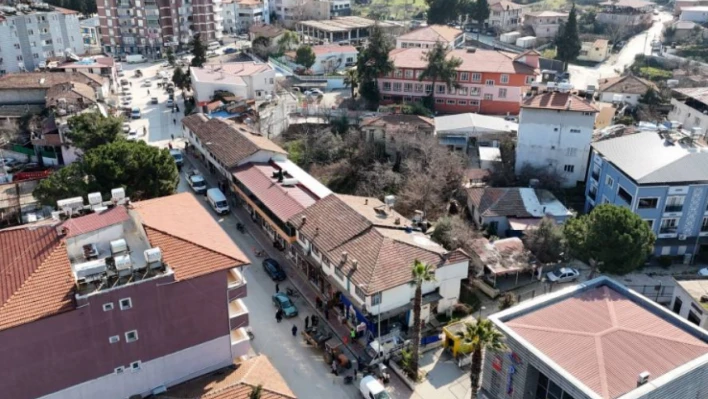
[(428, 36), (358, 252), (91, 32), (555, 131), (504, 15), (690, 109), (148, 27), (628, 13), (31, 34), (491, 82), (136, 298), (246, 80), (620, 345), (239, 15), (545, 24), (289, 12), (661, 178)]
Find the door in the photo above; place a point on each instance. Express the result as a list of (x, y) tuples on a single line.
[(425, 313)]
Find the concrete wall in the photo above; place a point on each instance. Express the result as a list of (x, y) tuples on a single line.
[(688, 305), (609, 97), (687, 116), (556, 139)]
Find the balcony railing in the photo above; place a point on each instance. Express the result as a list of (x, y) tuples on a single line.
[(595, 175), (240, 343), (668, 230), (673, 208), (235, 278), (238, 314), (592, 194)]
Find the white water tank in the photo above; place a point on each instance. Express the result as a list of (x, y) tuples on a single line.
[(153, 255), (123, 265), (119, 246), (118, 194), (70, 205), (89, 271), (95, 199)]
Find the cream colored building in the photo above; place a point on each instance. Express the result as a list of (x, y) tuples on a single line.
[(596, 51)]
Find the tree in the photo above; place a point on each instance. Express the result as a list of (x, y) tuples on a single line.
[(611, 236), (651, 97), (546, 242), (91, 129), (261, 46), (178, 77), (144, 171), (568, 40), (198, 51), (481, 336), (170, 56), (422, 273), (507, 300), (440, 68), (256, 392), (373, 62), (67, 182), (440, 12), (479, 11), (351, 79), (287, 41), (305, 56)]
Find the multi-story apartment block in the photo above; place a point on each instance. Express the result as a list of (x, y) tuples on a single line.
[(555, 131), (239, 15), (124, 301), (30, 34), (150, 26), (660, 177), (91, 32), (491, 82)]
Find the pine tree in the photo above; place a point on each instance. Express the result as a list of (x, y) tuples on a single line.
[(568, 40), (198, 51)]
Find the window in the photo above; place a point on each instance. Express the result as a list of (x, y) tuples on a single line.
[(489, 82), (113, 339), (131, 336), (474, 102), (502, 93), (588, 113), (135, 366), (17, 46), (439, 101), (488, 97), (474, 91), (451, 102), (398, 73), (338, 272), (648, 203), (626, 196), (668, 226), (693, 318), (119, 370), (409, 74), (650, 223), (440, 89), (462, 91), (408, 87), (609, 181), (419, 87), (418, 72), (575, 130), (569, 168), (428, 88), (476, 77), (387, 86), (464, 76), (504, 79), (704, 225), (530, 79), (397, 86), (359, 292), (107, 306), (126, 303), (674, 204), (376, 299), (462, 102)]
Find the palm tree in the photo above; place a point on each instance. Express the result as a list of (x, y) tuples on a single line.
[(351, 79), (481, 336), (422, 272), (256, 392), (440, 69)]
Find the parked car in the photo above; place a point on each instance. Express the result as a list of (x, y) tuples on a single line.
[(135, 113), (10, 163), (283, 302), (177, 155), (703, 272), (147, 83), (273, 269), (126, 127), (153, 100), (197, 183), (125, 102), (563, 275), (314, 92), (230, 50), (371, 388), (170, 102), (132, 135)]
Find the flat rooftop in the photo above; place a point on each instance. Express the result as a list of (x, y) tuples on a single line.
[(601, 336), (344, 24), (697, 288)]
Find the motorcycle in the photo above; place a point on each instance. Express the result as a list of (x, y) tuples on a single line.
[(240, 227)]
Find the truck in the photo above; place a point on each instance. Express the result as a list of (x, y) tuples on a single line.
[(382, 349), (135, 58)]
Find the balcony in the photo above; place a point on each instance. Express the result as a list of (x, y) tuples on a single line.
[(240, 343), (125, 4), (595, 175), (238, 314), (673, 208), (668, 230), (592, 194), (125, 16), (218, 17), (236, 284)]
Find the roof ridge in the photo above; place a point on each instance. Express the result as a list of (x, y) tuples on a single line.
[(243, 262), (551, 329)]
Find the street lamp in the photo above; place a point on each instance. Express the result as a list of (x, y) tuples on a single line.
[(479, 316)]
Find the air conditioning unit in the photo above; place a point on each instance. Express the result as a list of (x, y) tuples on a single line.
[(682, 237), (123, 265), (119, 246)]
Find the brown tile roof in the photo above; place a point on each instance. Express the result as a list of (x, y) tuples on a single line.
[(38, 80), (283, 201), (384, 255), (605, 340), (628, 84), (95, 221), (432, 33), (503, 5), (71, 93), (231, 142), (188, 236), (230, 383), (400, 122), (36, 279), (480, 61), (492, 201), (559, 101), (375, 211)]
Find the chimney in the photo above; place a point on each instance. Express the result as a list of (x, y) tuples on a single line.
[(643, 378), (304, 220), (354, 264), (317, 229), (344, 257), (568, 104), (366, 201), (397, 221)]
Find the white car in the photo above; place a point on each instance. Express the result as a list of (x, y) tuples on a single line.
[(126, 127), (371, 388), (563, 275), (314, 92), (197, 183), (9, 163), (132, 135), (703, 272)]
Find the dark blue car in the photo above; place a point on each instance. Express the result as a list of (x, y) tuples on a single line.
[(273, 269), (230, 50)]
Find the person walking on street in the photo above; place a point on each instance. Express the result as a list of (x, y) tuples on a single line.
[(294, 330), (326, 312), (315, 320), (307, 322), (279, 315), (175, 121), (148, 92), (173, 137), (334, 367), (352, 334), (277, 288)]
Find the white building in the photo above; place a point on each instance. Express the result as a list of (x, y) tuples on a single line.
[(504, 15), (690, 109), (596, 51), (545, 24), (247, 80), (696, 14), (330, 58), (555, 130), (427, 37), (690, 300), (239, 15), (463, 131), (29, 35), (628, 89)]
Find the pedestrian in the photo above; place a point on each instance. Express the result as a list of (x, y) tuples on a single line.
[(278, 317), (145, 130), (307, 322), (352, 334), (294, 330), (326, 312), (173, 137), (169, 145), (318, 303), (175, 121), (148, 92), (277, 287), (315, 320), (354, 373), (131, 84), (334, 367)]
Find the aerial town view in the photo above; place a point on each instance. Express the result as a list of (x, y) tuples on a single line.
[(354, 199)]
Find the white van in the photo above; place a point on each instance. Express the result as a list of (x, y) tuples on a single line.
[(218, 201), (371, 388), (213, 46)]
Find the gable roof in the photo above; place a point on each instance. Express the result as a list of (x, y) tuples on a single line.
[(229, 142), (400, 122), (95, 221), (230, 383), (504, 5), (45, 80), (559, 101), (628, 84), (478, 61), (432, 33), (36, 279), (475, 121), (518, 202)]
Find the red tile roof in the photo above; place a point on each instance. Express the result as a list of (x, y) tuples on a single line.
[(605, 340), (283, 201), (559, 101), (95, 221), (432, 33), (36, 279), (479, 61)]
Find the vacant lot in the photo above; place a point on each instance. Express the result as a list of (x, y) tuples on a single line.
[(391, 9)]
